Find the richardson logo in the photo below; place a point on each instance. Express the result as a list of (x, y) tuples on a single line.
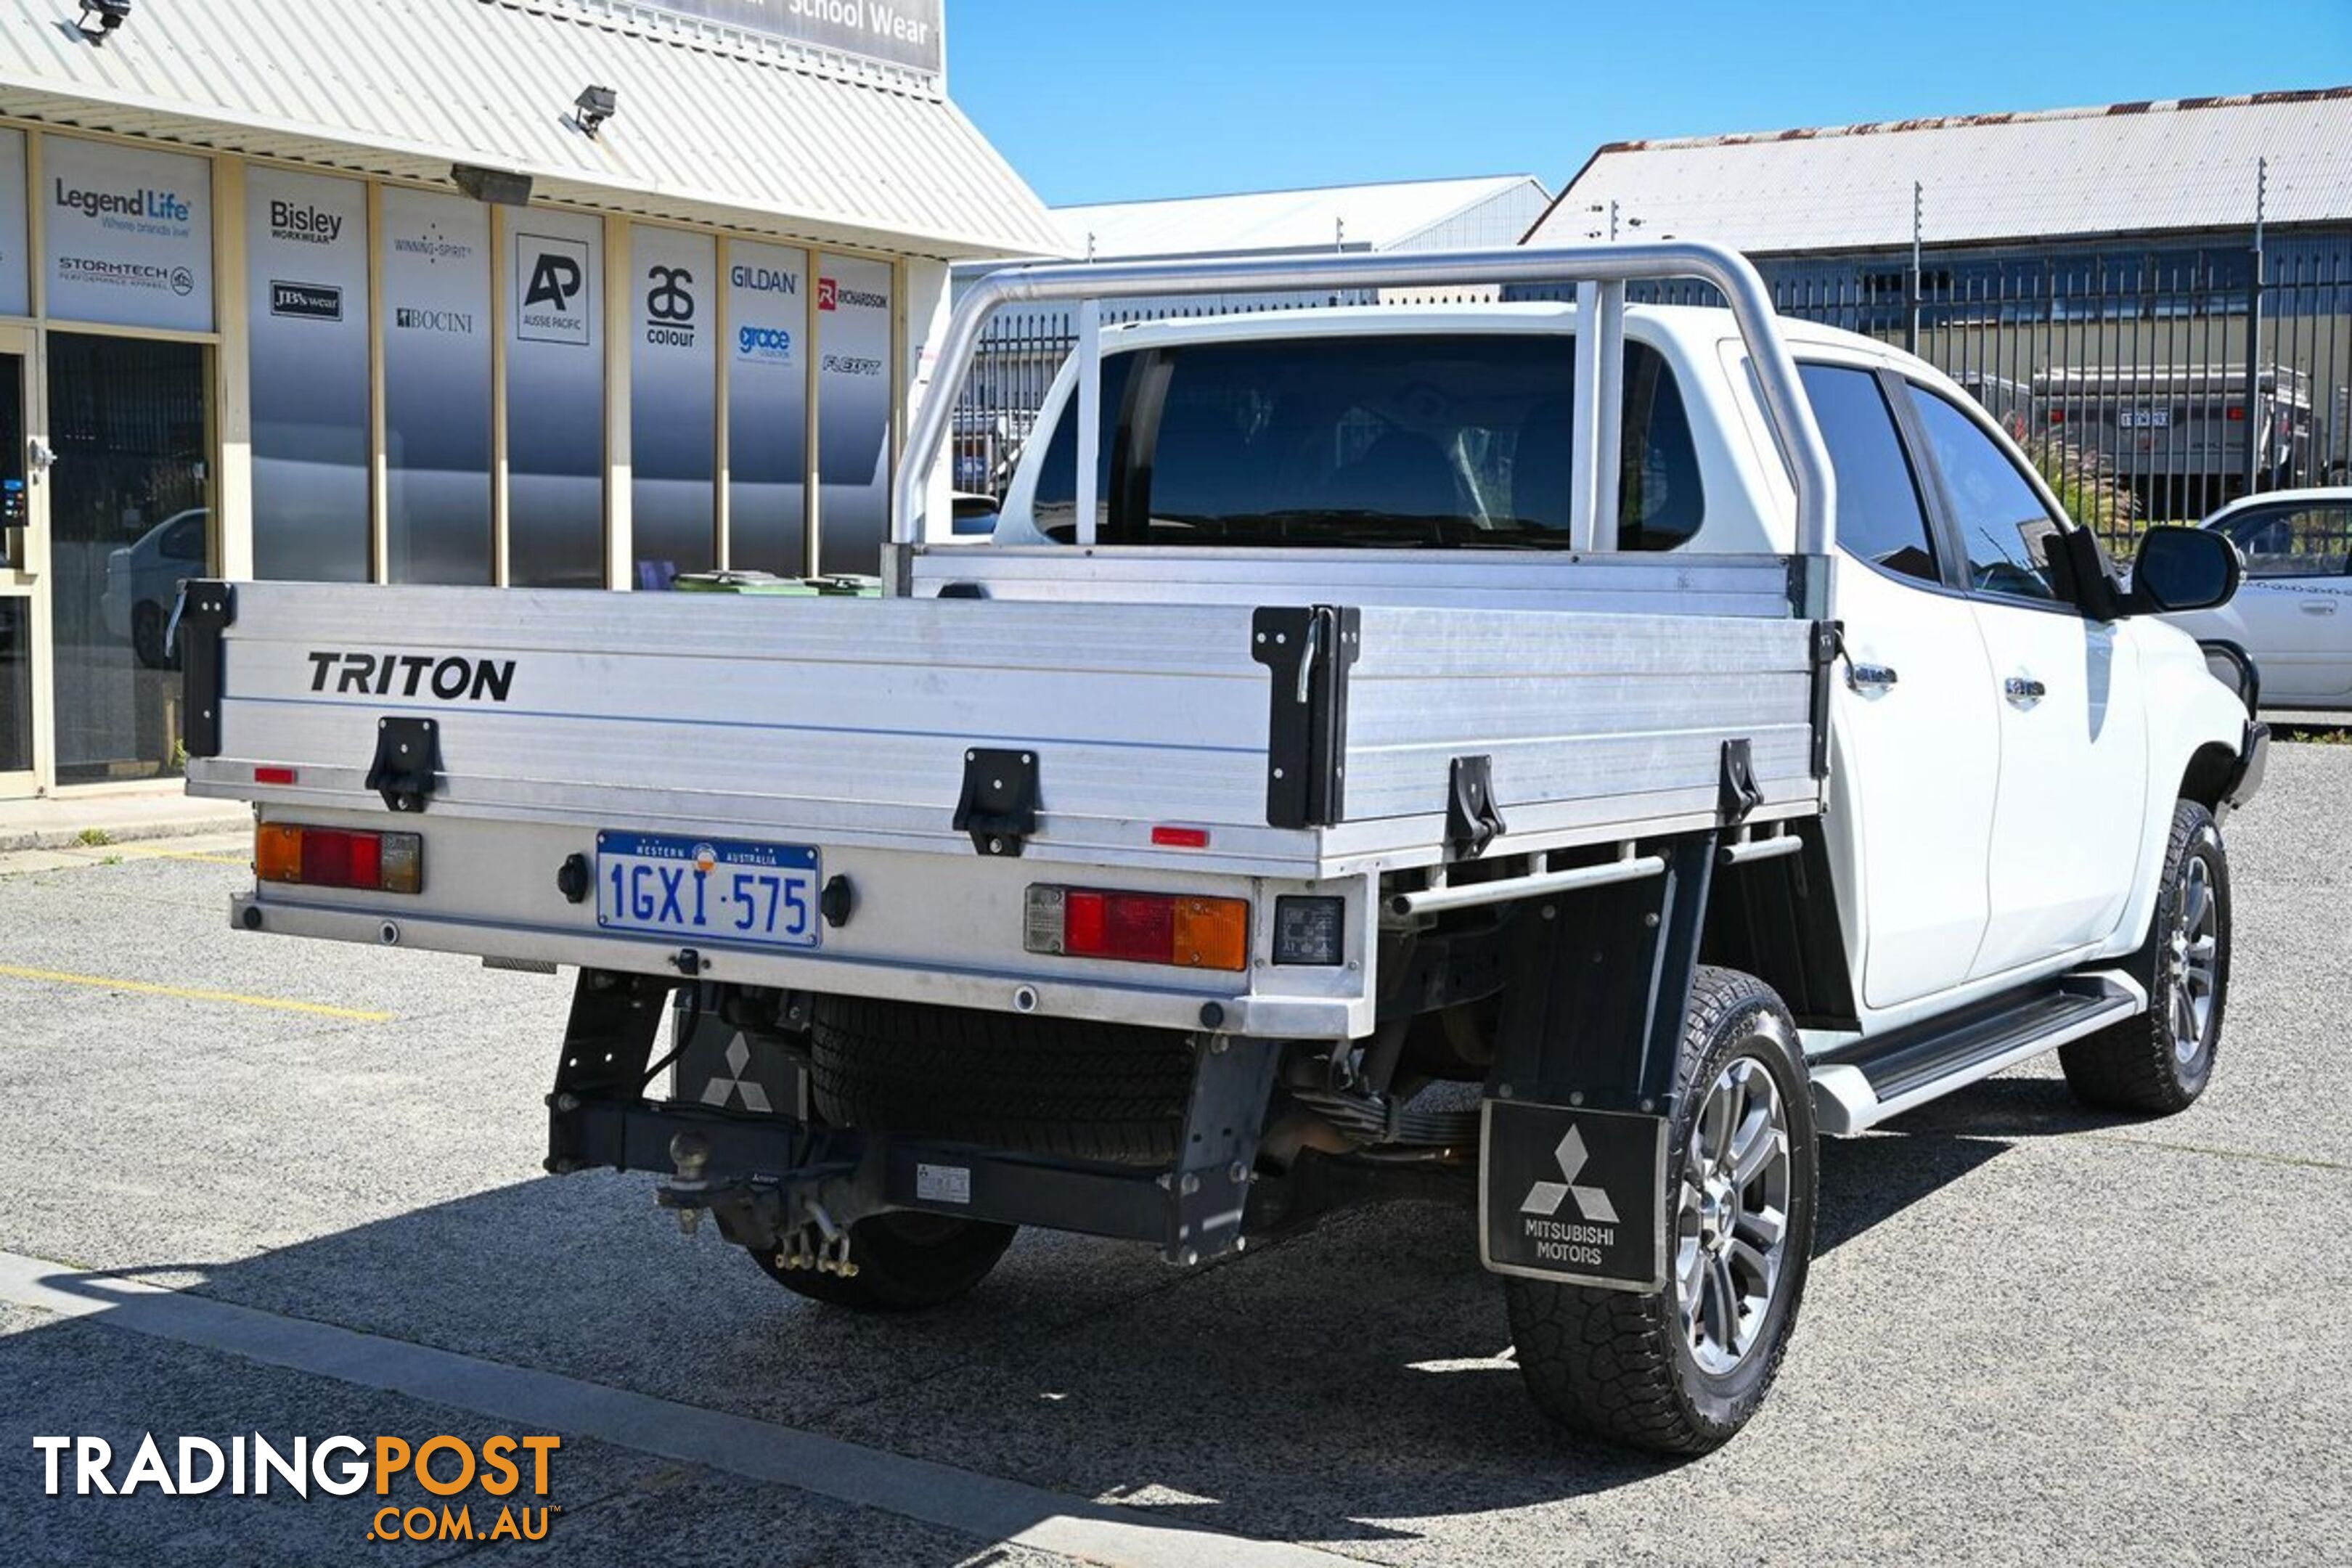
[(454, 323), (310, 301), (554, 280), (831, 296), (506, 1470), (764, 279), (301, 225), (451, 678), (669, 307), (137, 206), (771, 345)]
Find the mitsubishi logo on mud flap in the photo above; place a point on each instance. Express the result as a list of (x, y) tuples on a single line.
[(720, 1090), (1592, 1202)]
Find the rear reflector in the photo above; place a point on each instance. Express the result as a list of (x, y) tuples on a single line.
[(339, 857), (1138, 928), (1180, 837), (273, 775)]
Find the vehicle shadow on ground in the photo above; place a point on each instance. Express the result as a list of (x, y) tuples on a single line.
[(1351, 1375)]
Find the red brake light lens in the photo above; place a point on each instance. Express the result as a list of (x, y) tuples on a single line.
[(1174, 929), (339, 857)]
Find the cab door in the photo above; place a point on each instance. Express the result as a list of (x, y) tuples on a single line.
[(1913, 707), (23, 546), (2067, 832)]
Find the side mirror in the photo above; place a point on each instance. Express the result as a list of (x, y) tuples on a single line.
[(2183, 569)]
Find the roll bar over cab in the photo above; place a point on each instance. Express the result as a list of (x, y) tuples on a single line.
[(1650, 847)]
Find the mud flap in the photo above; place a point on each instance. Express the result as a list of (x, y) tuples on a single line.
[(1573, 1195)]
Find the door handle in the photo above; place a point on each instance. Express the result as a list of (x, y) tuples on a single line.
[(2319, 606), (2024, 691), (1870, 679)]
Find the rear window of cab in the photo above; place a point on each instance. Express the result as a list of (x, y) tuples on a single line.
[(1454, 440)]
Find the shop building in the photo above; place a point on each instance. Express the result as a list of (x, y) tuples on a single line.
[(551, 293)]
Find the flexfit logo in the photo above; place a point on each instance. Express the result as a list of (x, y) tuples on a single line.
[(669, 308), (764, 279), (852, 364), (136, 204), (299, 224), (432, 245), (553, 276), (505, 1467), (418, 319), (309, 301), (773, 345), (831, 296)]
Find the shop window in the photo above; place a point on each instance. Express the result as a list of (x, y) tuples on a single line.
[(555, 400), (436, 386), (853, 309), (307, 249), (767, 407), (673, 404)]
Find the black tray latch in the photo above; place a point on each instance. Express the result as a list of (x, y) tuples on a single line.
[(999, 805), (1472, 819), (408, 758), (1737, 791)]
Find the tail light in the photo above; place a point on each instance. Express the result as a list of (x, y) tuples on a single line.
[(1174, 929), (339, 857)]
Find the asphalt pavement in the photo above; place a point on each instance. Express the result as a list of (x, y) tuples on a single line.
[(250, 1185)]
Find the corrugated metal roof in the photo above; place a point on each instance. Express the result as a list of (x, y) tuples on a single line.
[(1362, 218), (2187, 164), (711, 128)]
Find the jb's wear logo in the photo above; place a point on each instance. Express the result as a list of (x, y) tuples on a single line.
[(452, 679), (501, 1467)]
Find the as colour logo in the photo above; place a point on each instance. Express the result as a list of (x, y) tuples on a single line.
[(669, 308), (552, 277)]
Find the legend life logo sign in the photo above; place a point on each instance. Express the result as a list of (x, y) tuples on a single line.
[(1574, 1196)]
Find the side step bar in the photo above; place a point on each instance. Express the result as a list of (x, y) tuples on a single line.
[(1856, 1088)]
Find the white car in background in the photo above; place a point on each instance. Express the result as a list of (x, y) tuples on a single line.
[(2292, 614), (142, 583)]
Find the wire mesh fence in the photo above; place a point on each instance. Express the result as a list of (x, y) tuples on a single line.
[(2149, 384)]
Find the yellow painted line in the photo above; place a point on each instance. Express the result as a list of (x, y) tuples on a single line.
[(244, 861), (318, 1009)]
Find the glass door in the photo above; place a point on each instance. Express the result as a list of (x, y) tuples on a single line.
[(130, 517), (19, 566)]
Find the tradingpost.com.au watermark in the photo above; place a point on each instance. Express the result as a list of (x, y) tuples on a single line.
[(507, 1471)]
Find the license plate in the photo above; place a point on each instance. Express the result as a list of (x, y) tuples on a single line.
[(2147, 418), (717, 889)]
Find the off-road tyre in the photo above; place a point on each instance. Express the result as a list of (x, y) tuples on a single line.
[(2152, 1065), (905, 1262), (1047, 1086), (1616, 1364)]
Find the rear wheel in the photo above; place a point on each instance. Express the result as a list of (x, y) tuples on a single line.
[(2160, 1061), (1681, 1371), (905, 1262)]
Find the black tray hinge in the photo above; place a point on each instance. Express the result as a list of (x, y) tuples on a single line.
[(207, 607), (999, 805), (1736, 791), (1310, 650), (407, 757), (1829, 646), (1472, 819)]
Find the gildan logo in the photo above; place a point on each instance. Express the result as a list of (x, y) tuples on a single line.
[(831, 296), (669, 308), (554, 278), (765, 280), (304, 224), (309, 301), (454, 324)]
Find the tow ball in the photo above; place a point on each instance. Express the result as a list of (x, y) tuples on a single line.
[(818, 1242)]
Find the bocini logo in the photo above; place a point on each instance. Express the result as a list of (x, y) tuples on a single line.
[(454, 323)]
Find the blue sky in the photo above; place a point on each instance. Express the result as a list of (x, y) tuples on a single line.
[(1116, 99)]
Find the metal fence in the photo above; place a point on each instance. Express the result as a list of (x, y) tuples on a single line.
[(2149, 384)]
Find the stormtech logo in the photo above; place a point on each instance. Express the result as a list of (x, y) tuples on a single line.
[(129, 274)]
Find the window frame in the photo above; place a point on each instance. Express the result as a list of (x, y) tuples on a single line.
[(1944, 512), (1898, 409)]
